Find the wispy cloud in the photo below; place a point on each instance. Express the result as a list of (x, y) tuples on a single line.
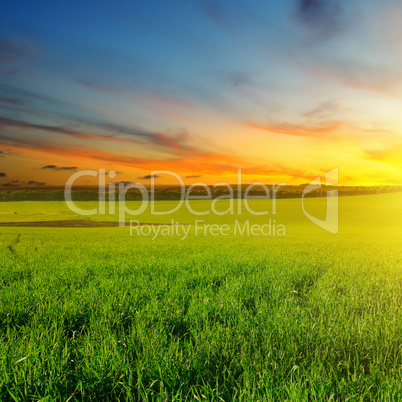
[(58, 130), (388, 155), (54, 167), (12, 101), (299, 130), (237, 79), (13, 183), (125, 182), (36, 183), (324, 110), (324, 17), (13, 51), (214, 12), (176, 141), (21, 183), (149, 177)]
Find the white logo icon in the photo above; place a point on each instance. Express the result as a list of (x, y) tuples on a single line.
[(331, 221)]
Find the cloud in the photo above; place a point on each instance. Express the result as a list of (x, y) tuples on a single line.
[(323, 111), (115, 172), (12, 71), (237, 79), (12, 101), (13, 183), (389, 155), (2, 174), (54, 167), (19, 183), (299, 130), (324, 17), (13, 51), (121, 129), (23, 96), (102, 88), (205, 162), (378, 77), (10, 185), (175, 141), (193, 176), (124, 182), (36, 183), (223, 15), (213, 12), (85, 128), (169, 142), (149, 177), (329, 120), (54, 129), (6, 152)]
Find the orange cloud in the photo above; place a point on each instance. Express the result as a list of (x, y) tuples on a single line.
[(205, 163), (391, 156), (299, 130)]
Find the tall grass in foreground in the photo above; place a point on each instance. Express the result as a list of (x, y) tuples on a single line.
[(93, 314)]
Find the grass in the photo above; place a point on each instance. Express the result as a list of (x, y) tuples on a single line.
[(97, 314)]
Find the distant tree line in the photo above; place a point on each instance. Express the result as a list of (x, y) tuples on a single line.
[(200, 193)]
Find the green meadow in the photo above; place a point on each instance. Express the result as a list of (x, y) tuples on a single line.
[(109, 313)]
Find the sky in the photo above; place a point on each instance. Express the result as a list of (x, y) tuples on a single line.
[(286, 90)]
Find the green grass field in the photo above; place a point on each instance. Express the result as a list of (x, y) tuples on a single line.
[(97, 314)]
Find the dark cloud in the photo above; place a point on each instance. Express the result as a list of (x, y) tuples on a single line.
[(194, 176), (19, 183), (115, 172), (13, 183), (12, 101), (149, 177), (36, 183), (125, 183), (10, 185), (102, 88), (53, 129), (7, 71), (121, 129), (236, 79), (15, 99), (2, 174), (57, 129), (6, 152), (218, 13), (24, 95), (114, 132), (213, 11), (54, 167), (14, 51), (322, 16)]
